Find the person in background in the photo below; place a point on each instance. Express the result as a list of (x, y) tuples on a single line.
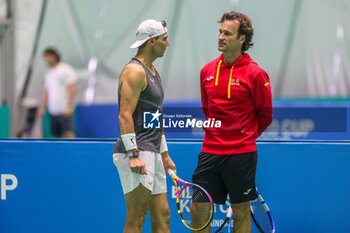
[(59, 94)]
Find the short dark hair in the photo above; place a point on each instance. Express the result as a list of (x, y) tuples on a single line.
[(52, 51), (245, 27)]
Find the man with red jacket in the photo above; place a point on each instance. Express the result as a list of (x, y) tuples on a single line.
[(236, 91)]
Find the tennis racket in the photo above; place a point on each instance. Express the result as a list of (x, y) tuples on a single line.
[(228, 217), (194, 204), (260, 214)]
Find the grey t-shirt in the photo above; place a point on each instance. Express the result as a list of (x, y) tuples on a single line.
[(150, 101)]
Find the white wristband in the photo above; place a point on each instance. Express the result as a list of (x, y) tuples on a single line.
[(163, 145), (129, 141)]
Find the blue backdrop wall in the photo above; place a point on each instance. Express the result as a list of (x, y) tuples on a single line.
[(301, 120), (73, 187)]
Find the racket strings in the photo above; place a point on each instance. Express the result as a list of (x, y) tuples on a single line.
[(260, 216), (195, 207)]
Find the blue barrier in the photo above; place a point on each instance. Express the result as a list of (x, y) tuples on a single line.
[(73, 187), (97, 121), (292, 120)]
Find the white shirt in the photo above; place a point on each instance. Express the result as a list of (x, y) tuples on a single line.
[(57, 80)]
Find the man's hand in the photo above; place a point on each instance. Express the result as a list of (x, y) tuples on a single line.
[(41, 112), (137, 166), (168, 162), (68, 112)]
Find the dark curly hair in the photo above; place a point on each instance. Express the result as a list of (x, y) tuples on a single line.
[(245, 27), (52, 51)]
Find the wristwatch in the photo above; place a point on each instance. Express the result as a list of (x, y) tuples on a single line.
[(133, 154)]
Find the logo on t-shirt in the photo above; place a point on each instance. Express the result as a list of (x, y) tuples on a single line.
[(210, 78), (151, 79), (235, 82)]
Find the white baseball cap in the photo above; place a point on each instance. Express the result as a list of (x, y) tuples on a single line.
[(148, 29)]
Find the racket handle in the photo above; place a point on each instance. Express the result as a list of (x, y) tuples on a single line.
[(229, 212), (171, 172)]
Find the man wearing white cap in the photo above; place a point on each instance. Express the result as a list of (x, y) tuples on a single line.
[(141, 155)]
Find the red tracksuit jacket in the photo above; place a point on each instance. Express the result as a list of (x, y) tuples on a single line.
[(238, 95)]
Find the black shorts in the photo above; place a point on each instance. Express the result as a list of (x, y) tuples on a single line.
[(60, 125), (229, 174)]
